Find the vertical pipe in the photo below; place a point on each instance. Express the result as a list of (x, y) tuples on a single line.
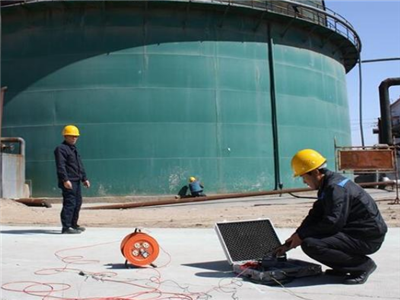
[(1, 115), (385, 113), (278, 183), (1, 92), (396, 169), (360, 100)]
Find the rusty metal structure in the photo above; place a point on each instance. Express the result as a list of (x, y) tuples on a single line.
[(12, 167), (374, 159), (366, 159), (34, 202), (217, 197)]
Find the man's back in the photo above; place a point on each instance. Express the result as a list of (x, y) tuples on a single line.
[(361, 214), (195, 186)]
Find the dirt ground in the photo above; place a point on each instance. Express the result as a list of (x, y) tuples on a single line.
[(286, 213)]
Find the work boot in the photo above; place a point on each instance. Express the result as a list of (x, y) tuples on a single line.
[(359, 277), (334, 272), (80, 228), (70, 231)]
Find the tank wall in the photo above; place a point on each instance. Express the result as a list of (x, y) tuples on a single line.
[(312, 104), (158, 101)]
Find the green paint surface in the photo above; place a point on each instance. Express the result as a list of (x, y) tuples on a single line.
[(159, 97)]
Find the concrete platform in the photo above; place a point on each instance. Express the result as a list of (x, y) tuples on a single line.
[(41, 263)]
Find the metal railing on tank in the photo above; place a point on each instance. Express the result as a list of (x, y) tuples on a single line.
[(316, 14)]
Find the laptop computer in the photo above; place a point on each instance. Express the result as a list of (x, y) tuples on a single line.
[(248, 246)]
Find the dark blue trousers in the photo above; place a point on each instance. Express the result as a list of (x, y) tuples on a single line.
[(342, 252), (72, 202), (198, 194)]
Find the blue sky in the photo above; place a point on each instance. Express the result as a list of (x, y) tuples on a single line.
[(378, 25)]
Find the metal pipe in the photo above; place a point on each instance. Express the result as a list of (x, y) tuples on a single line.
[(2, 92), (217, 197), (367, 184), (379, 60), (195, 199), (33, 202), (274, 119), (360, 100), (385, 137), (19, 140)]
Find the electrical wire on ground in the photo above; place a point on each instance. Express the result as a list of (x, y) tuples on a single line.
[(302, 197), (148, 287), (278, 282), (289, 291)]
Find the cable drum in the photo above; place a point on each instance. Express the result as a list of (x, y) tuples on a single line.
[(140, 249)]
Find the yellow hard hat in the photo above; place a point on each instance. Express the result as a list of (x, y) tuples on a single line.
[(70, 130), (305, 161), (191, 179)]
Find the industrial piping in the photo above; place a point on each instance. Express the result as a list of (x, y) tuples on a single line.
[(217, 197), (33, 202), (18, 140), (2, 92), (12, 191), (385, 137)]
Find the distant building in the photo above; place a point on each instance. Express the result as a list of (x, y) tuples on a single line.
[(395, 112)]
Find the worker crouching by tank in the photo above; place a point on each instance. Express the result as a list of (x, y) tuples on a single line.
[(344, 224), (70, 173), (196, 188)]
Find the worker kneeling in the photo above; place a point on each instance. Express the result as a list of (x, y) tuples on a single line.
[(196, 188), (344, 224)]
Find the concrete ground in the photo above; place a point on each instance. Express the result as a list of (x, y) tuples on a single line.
[(41, 263)]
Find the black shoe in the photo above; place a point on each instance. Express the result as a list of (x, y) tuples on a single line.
[(80, 228), (360, 277), (334, 272), (70, 231)]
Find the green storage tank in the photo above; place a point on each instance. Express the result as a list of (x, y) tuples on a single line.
[(226, 91)]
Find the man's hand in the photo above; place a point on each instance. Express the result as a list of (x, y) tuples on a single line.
[(293, 242), (68, 185), (86, 183), (281, 250)]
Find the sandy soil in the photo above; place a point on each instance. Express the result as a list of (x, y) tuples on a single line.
[(288, 214)]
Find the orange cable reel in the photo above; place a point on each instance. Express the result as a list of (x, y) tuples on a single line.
[(140, 249)]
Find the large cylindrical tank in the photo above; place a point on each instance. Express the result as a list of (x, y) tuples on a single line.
[(164, 90)]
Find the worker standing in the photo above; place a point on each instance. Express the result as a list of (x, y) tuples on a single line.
[(344, 224), (196, 188), (70, 173)]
